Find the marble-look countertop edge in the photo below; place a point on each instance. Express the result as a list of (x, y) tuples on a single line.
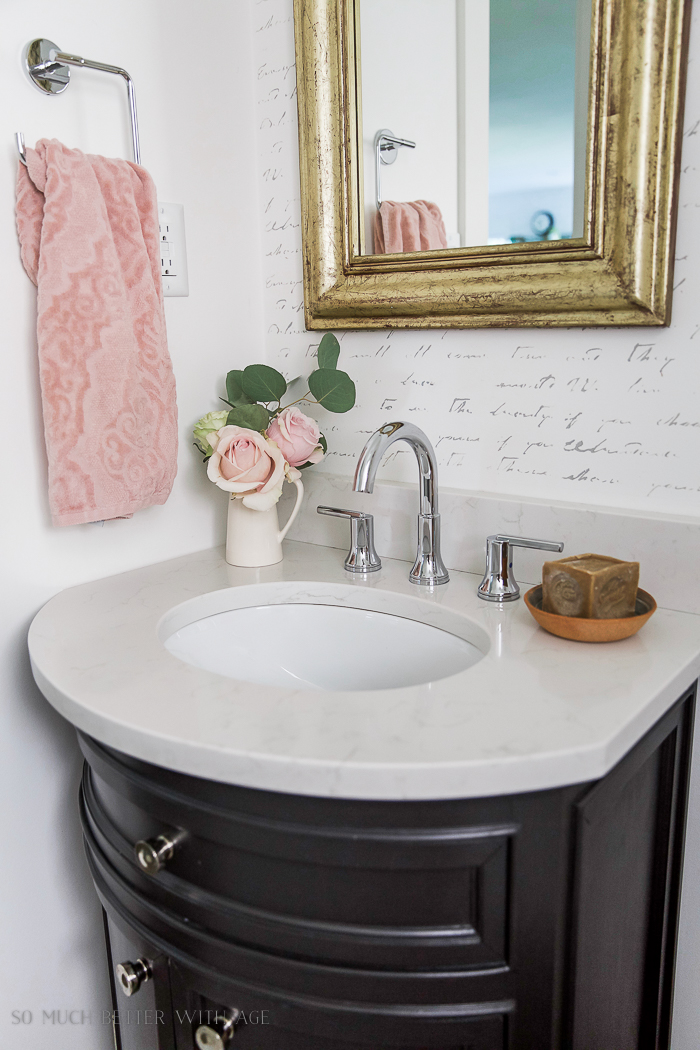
[(536, 769)]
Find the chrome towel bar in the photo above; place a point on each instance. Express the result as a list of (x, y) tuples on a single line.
[(49, 68), (386, 146)]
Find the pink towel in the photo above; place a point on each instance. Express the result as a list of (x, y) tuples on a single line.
[(414, 226), (88, 231)]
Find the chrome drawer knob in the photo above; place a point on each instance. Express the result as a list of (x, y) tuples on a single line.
[(131, 975), (218, 1034), (153, 854)]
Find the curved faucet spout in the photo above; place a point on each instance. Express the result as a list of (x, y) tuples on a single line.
[(428, 568), (373, 453)]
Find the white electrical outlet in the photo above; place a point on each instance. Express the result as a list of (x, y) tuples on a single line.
[(173, 252)]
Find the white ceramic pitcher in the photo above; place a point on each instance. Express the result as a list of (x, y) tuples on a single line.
[(254, 537)]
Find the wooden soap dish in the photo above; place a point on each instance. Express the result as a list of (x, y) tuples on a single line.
[(578, 629)]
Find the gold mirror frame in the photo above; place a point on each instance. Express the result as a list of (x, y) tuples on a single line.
[(618, 273)]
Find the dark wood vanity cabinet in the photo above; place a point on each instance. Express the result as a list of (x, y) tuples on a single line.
[(528, 922)]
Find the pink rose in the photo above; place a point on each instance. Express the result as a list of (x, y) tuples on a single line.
[(248, 465), (297, 437)]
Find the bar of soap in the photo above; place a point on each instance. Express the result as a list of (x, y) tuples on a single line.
[(592, 586)]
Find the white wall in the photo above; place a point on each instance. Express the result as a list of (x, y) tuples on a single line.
[(606, 417), (198, 141)]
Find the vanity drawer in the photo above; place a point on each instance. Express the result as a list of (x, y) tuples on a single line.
[(372, 895), (279, 1024), (436, 899)]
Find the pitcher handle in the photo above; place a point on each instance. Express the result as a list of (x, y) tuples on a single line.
[(300, 495)]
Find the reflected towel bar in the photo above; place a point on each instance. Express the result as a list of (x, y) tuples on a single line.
[(385, 150), (49, 68)]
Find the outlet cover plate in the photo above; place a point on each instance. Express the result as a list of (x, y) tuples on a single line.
[(173, 250)]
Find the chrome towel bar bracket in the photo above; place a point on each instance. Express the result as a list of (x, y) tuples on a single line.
[(386, 147), (49, 68)]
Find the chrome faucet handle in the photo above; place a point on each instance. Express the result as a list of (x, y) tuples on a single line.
[(362, 556), (499, 583)]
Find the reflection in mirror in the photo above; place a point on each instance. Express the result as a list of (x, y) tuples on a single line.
[(474, 121)]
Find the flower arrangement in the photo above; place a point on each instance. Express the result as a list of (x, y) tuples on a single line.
[(256, 443)]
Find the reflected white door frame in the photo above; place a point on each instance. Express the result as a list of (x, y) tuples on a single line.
[(473, 47)]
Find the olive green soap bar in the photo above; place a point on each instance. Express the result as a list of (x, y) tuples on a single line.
[(592, 586)]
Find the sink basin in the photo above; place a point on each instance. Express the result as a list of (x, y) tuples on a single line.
[(322, 646)]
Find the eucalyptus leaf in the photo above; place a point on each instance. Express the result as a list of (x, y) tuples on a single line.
[(263, 383), (253, 417), (234, 390), (333, 389), (328, 351)]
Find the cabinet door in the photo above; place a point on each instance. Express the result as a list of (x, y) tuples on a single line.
[(266, 1027), (143, 1020), (629, 835)]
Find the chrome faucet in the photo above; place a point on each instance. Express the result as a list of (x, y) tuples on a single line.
[(428, 568)]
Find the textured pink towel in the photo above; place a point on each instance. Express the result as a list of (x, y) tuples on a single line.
[(413, 226), (88, 231)]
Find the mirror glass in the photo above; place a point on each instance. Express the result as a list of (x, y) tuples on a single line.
[(487, 101)]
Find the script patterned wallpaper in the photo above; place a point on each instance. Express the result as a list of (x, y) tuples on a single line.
[(600, 416)]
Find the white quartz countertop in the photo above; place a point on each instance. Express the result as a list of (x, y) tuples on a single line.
[(536, 712)]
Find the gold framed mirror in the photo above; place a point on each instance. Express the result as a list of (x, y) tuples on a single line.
[(618, 272)]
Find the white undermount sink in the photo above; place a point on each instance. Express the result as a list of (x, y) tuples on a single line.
[(316, 644)]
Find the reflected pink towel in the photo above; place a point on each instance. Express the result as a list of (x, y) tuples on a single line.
[(412, 226), (88, 231)]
